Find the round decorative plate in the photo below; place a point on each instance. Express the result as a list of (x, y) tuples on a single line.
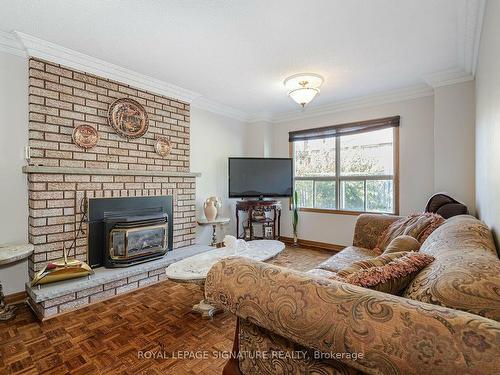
[(163, 146), (128, 118), (85, 136)]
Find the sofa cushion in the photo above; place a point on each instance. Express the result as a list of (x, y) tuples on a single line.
[(378, 261), (346, 257), (369, 228), (419, 226), (296, 359), (402, 243), (389, 273), (466, 272), (321, 273)]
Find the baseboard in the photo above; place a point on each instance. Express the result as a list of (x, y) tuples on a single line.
[(16, 297), (308, 244)]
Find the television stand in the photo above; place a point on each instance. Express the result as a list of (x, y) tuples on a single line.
[(257, 212)]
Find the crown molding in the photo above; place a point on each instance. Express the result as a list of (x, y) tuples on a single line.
[(477, 35), (39, 48), (11, 45), (25, 45), (218, 108), (470, 24), (447, 77), (31, 46), (260, 117), (392, 96)]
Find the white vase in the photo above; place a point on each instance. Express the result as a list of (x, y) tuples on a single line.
[(210, 210)]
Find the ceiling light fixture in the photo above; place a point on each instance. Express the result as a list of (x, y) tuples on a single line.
[(303, 87)]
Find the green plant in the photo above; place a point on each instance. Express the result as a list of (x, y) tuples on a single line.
[(295, 216)]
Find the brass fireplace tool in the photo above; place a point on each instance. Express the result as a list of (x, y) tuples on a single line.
[(65, 268)]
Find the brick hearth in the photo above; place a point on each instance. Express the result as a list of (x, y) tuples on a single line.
[(57, 298), (61, 174)]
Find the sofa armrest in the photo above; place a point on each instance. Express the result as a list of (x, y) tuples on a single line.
[(395, 335), (369, 228)]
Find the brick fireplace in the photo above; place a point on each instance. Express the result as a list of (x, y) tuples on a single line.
[(62, 176)]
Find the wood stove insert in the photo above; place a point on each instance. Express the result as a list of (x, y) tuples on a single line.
[(127, 231)]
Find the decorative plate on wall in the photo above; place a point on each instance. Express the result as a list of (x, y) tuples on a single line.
[(163, 146), (128, 118), (85, 136)]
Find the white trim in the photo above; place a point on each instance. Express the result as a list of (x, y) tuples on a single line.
[(448, 77), (36, 47), (477, 35), (43, 49), (39, 169), (260, 117), (470, 23), (218, 108), (386, 97), (9, 44)]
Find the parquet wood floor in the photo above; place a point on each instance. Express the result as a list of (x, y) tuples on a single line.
[(108, 337)]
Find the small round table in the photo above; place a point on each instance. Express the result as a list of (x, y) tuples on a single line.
[(10, 254), (218, 221)]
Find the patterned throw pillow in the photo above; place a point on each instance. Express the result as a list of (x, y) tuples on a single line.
[(419, 226), (378, 261), (402, 243), (388, 273)]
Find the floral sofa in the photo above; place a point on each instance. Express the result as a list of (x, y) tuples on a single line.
[(446, 322)]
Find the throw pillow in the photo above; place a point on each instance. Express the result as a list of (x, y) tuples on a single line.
[(402, 243), (359, 265), (388, 273), (419, 226)]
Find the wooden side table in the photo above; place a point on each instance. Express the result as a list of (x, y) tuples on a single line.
[(251, 206), (10, 254), (218, 221)]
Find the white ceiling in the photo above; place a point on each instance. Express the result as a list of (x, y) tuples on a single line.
[(237, 52)]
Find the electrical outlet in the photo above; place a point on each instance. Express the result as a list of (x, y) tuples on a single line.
[(27, 153)]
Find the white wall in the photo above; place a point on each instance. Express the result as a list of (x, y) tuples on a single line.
[(488, 120), (416, 164), (454, 119), (259, 139), (13, 185), (213, 139)]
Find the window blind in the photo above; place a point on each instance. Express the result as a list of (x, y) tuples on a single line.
[(344, 129)]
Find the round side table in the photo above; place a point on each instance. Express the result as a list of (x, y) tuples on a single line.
[(218, 221), (10, 254)]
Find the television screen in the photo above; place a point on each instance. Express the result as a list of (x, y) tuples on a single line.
[(260, 177)]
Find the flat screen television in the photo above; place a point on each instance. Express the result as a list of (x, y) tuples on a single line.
[(260, 177)]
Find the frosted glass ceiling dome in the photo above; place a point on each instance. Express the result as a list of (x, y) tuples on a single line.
[(303, 87)]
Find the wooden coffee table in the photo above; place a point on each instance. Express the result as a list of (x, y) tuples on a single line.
[(195, 269)]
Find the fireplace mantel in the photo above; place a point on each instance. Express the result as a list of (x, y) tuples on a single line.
[(28, 169)]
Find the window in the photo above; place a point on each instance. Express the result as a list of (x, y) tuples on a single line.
[(347, 168)]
